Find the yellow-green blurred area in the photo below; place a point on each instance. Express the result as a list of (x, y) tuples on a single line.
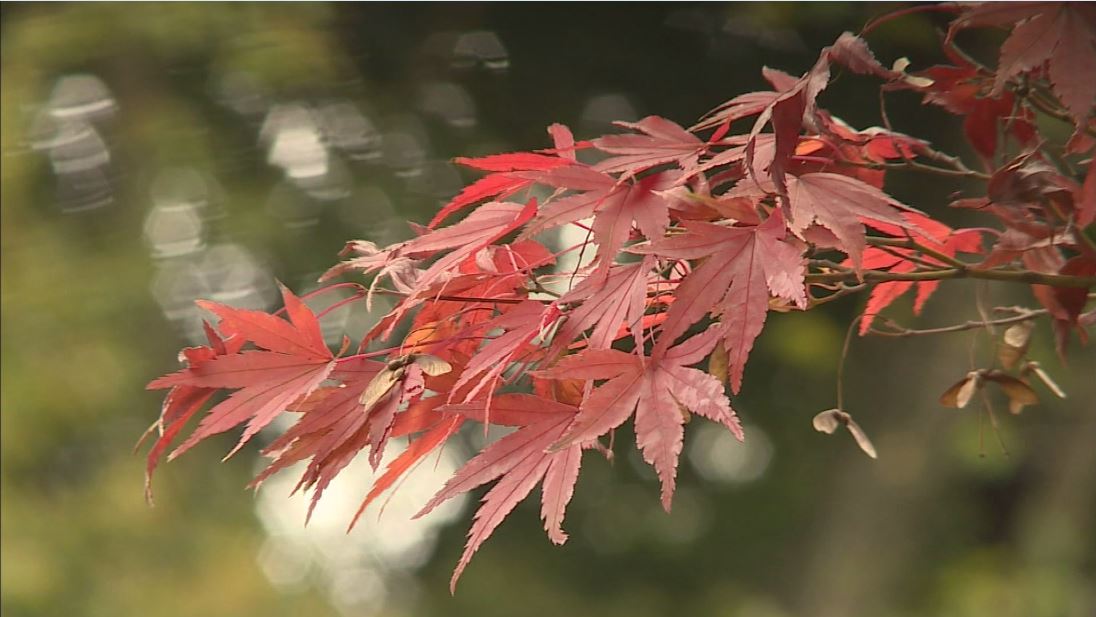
[(156, 153)]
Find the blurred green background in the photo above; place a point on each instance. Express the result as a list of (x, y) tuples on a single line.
[(154, 153)]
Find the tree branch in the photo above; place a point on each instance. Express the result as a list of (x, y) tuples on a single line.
[(910, 243)]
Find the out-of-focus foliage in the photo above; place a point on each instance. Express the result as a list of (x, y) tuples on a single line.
[(217, 147)]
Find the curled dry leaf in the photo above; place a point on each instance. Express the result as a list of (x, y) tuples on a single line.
[(828, 421)]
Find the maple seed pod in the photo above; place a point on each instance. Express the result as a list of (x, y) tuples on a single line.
[(828, 421), (431, 365), (391, 374), (380, 385), (959, 395), (1019, 393), (1033, 367), (1014, 344)]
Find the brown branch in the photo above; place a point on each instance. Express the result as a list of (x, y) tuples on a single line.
[(839, 291), (910, 243), (955, 162), (920, 261)]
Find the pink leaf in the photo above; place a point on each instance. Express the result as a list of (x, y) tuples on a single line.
[(838, 203), (743, 266)]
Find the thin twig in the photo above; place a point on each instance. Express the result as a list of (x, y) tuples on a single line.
[(961, 173), (899, 331), (840, 291), (910, 243), (1013, 276), (911, 165), (954, 161), (924, 263), (988, 404), (980, 304), (841, 364), (875, 22), (391, 292), (536, 287)]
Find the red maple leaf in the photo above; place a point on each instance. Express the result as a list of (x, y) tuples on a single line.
[(931, 234), (429, 419), (616, 206), (965, 91), (507, 180), (661, 391), (483, 226), (183, 401), (1060, 36), (786, 114), (741, 106), (606, 304), (331, 431), (293, 363), (498, 185), (520, 325), (741, 266), (383, 263), (839, 203), (415, 452), (463, 240), (663, 142), (1064, 304), (519, 461), (795, 105)]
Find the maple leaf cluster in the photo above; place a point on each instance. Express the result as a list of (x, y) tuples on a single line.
[(692, 236)]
